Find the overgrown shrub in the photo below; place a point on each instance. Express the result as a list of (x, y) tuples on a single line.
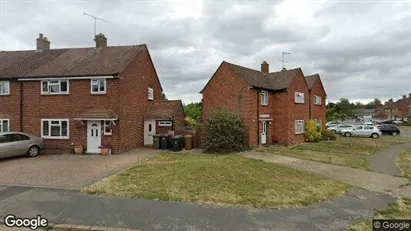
[(311, 132), (328, 135), (191, 123), (224, 132)]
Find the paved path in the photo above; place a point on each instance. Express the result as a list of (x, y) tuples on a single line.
[(71, 207), (68, 171), (372, 181), (384, 161)]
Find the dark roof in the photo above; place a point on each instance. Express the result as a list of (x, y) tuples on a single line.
[(311, 79), (98, 114), (164, 109), (272, 81), (67, 62)]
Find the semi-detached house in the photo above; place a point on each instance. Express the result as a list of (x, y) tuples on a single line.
[(85, 96), (274, 105)]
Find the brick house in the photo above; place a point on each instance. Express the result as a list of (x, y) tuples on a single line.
[(274, 106), (400, 109), (86, 96), (316, 99)]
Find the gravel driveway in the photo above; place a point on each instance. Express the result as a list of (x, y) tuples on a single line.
[(67, 171)]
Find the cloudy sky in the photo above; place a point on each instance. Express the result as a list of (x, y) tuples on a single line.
[(361, 49)]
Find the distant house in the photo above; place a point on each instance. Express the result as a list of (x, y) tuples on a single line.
[(274, 105), (86, 96), (400, 109), (361, 112)]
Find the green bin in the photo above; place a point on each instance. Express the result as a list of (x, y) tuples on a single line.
[(176, 143), (164, 144), (156, 141)]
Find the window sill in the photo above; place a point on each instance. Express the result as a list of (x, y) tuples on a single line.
[(4, 94), (55, 138), (299, 133), (98, 93), (265, 105), (299, 102), (55, 94)]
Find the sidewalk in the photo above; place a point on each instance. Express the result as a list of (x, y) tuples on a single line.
[(71, 207), (372, 181), (384, 161)]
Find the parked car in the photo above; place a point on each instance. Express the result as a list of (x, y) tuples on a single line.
[(387, 129), (18, 143), (368, 123), (362, 131), (397, 122), (332, 124), (337, 129)]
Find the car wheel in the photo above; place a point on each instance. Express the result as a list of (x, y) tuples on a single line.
[(347, 134), (375, 135), (334, 131), (33, 151), (394, 133)]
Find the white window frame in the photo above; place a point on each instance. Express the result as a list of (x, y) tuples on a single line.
[(1, 125), (5, 88), (319, 123), (317, 100), (297, 95), (165, 123), (59, 84), (98, 85), (264, 97), (107, 123), (56, 137), (299, 127), (150, 94)]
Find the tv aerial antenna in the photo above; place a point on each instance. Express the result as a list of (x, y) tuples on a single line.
[(95, 21), (283, 61)]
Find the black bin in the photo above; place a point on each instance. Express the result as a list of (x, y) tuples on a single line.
[(164, 144), (177, 143)]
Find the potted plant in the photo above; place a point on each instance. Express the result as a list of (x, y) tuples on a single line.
[(78, 149), (105, 149)]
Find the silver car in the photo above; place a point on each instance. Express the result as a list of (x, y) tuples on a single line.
[(337, 129), (18, 143), (362, 131)]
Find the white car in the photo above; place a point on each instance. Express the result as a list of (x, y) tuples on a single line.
[(362, 131), (369, 123), (337, 129)]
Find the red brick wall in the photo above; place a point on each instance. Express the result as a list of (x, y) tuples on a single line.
[(226, 90), (318, 111), (37, 107), (297, 111), (134, 84), (10, 106), (280, 124)]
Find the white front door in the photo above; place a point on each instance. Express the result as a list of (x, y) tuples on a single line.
[(149, 131), (264, 132), (93, 136)]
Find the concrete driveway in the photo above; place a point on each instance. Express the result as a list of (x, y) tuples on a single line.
[(67, 171)]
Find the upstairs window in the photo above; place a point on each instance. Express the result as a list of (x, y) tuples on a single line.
[(150, 94), (299, 97), (317, 100), (55, 87), (4, 87), (165, 123), (264, 97), (98, 86), (4, 125)]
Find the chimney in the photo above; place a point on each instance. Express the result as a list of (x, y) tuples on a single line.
[(404, 96), (101, 40), (409, 95), (265, 67), (42, 43), (284, 69), (390, 100)]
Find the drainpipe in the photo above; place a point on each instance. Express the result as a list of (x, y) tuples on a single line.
[(309, 103), (258, 117), (21, 106)]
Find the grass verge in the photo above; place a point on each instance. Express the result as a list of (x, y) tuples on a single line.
[(404, 162), (345, 151), (225, 180), (399, 210)]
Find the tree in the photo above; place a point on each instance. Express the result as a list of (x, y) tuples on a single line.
[(193, 110), (344, 107), (376, 103), (163, 96)]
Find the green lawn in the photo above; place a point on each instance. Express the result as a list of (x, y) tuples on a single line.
[(345, 151), (399, 210), (404, 162), (225, 180)]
